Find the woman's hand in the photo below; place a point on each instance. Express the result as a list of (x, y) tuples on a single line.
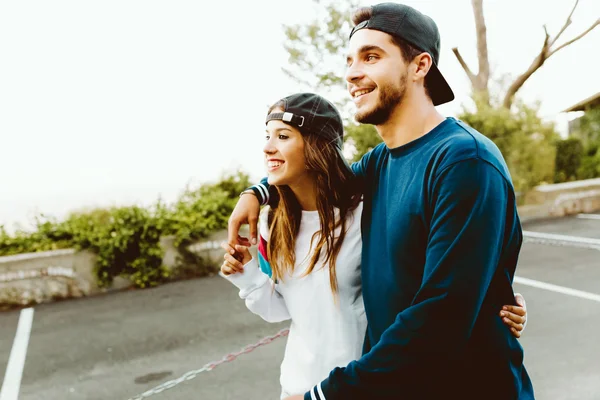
[(515, 316), (236, 257)]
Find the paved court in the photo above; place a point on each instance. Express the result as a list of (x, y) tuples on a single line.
[(119, 345)]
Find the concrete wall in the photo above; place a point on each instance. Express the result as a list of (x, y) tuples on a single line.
[(45, 276), (558, 200)]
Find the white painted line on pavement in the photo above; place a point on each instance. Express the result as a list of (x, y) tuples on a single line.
[(589, 216), (16, 360), (561, 240), (558, 289)]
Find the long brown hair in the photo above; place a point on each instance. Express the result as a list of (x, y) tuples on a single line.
[(336, 188)]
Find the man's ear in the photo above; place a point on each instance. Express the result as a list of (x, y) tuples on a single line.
[(422, 63)]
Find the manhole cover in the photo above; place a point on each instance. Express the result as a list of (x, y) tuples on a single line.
[(153, 376)]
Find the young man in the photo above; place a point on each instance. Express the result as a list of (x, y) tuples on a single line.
[(440, 230)]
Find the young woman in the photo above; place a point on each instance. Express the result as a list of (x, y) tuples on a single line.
[(309, 253)]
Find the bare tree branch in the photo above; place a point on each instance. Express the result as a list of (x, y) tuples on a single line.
[(537, 62), (576, 38), (463, 64), (566, 25), (543, 55), (480, 81), (483, 75)]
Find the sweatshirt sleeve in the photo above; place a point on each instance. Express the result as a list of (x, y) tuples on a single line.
[(360, 167), (469, 205), (260, 293), (255, 283)]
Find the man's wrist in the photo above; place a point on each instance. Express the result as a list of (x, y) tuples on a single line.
[(260, 191), (249, 191)]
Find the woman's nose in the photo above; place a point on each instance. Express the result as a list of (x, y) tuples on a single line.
[(269, 148)]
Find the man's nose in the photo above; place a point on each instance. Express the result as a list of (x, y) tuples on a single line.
[(354, 73)]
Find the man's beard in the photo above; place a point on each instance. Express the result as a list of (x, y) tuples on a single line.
[(389, 98)]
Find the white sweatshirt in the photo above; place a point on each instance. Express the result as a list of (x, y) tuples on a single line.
[(323, 334)]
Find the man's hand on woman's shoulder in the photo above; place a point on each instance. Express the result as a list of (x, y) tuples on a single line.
[(245, 212)]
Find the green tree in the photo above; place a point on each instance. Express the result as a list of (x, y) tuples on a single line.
[(315, 50), (361, 139), (588, 129), (526, 142)]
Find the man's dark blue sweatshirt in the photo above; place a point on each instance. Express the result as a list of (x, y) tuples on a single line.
[(441, 239)]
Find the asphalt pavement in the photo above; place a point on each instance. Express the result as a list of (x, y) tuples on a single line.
[(118, 345)]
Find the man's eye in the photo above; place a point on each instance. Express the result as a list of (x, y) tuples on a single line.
[(371, 58)]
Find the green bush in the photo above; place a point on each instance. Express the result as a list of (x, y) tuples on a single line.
[(198, 213), (569, 154), (127, 239), (590, 164), (47, 235)]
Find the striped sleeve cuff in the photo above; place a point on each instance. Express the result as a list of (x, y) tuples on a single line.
[(262, 193), (316, 393)]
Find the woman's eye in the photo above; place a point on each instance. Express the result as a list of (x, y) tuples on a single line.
[(282, 137)]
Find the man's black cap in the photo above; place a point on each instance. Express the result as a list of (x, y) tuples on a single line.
[(419, 30), (311, 114)]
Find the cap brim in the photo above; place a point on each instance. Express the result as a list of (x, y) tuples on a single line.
[(439, 90), (345, 161)]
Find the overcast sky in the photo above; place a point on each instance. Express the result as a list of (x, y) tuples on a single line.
[(118, 102)]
